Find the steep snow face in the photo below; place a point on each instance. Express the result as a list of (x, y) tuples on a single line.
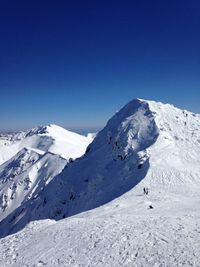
[(144, 144), (31, 160), (51, 138), (130, 130), (25, 174)]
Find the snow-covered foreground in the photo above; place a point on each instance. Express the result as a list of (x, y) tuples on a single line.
[(122, 233)]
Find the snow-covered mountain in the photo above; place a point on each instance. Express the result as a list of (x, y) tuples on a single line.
[(144, 144), (32, 159), (25, 174), (50, 138)]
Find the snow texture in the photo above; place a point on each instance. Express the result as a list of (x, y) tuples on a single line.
[(51, 138), (42, 154), (107, 219)]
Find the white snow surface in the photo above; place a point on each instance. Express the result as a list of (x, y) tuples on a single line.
[(123, 232), (25, 174), (50, 138), (145, 144), (39, 155)]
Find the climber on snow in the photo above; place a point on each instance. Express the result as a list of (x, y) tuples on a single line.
[(146, 191)]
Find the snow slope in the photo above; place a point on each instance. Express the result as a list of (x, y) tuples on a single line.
[(9, 145), (174, 158), (38, 156), (25, 174), (51, 138), (144, 144), (123, 232)]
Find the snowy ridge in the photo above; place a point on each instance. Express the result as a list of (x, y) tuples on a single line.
[(26, 173), (51, 138), (39, 155), (144, 144), (57, 140)]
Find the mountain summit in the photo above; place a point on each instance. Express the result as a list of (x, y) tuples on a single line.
[(146, 144), (156, 145), (51, 138)]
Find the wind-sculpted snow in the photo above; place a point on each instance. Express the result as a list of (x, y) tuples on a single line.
[(114, 163)]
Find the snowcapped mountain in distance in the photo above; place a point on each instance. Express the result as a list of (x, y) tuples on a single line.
[(32, 159), (51, 138), (145, 144)]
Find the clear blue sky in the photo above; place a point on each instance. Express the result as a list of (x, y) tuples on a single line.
[(74, 63)]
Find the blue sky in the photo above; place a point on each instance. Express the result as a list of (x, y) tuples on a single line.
[(74, 63)]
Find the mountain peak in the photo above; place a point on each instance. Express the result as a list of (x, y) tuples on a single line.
[(51, 138), (41, 129)]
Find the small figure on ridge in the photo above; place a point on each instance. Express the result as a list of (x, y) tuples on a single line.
[(146, 191)]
